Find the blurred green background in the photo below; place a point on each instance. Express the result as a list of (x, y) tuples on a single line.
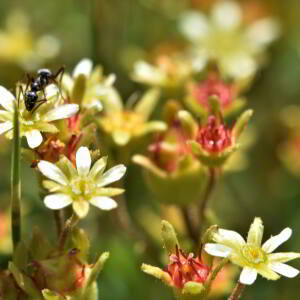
[(114, 33)]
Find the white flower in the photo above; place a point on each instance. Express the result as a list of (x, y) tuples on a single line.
[(168, 71), (123, 124), (222, 37), (89, 87), (253, 257), (81, 186), (33, 123)]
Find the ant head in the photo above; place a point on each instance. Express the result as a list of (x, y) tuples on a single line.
[(44, 72)]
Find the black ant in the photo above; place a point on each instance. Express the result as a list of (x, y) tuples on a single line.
[(35, 85)]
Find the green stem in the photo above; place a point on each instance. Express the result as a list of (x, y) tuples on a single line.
[(59, 220), (16, 183), (237, 291), (69, 225), (215, 272), (193, 233), (208, 192)]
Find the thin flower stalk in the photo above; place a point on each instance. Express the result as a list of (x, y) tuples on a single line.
[(16, 183)]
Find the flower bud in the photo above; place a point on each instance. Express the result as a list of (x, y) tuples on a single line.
[(215, 142), (199, 95)]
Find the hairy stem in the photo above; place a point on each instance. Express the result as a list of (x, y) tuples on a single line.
[(237, 291), (59, 220), (69, 225), (16, 183)]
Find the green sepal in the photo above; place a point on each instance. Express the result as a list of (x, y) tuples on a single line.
[(39, 246), (241, 123), (20, 256), (24, 282), (181, 187), (191, 291), (169, 237), (157, 273), (202, 111), (207, 237), (79, 88), (97, 268), (212, 159), (193, 288), (80, 241), (50, 295), (147, 103), (188, 123)]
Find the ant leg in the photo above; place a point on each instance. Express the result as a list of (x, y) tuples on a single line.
[(60, 72), (30, 79), (21, 91), (40, 102)]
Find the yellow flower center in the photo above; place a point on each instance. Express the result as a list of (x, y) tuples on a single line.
[(82, 186), (225, 43), (127, 121), (254, 254)]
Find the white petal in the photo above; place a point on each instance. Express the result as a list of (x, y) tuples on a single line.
[(83, 161), (194, 25), (229, 238), (284, 269), (110, 80), (240, 65), (255, 233), (217, 250), (81, 208), (83, 67), (121, 137), (263, 32), (94, 104), (52, 91), (61, 112), (4, 127), (34, 138), (227, 15), (6, 115), (52, 172), (111, 175), (7, 99), (67, 83), (104, 203), (275, 241), (57, 201), (146, 72), (248, 275), (98, 167)]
